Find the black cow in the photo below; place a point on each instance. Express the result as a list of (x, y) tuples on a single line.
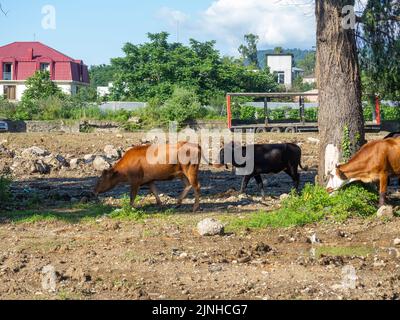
[(392, 135), (268, 158)]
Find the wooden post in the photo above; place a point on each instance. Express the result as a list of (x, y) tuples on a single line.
[(266, 111), (378, 110), (229, 111)]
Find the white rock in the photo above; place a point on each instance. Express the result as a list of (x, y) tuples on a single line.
[(49, 279), (88, 158), (313, 140), (74, 163), (100, 164), (385, 212), (210, 227), (112, 152), (396, 242), (284, 196), (34, 152)]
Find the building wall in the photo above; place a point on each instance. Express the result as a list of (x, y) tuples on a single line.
[(281, 63), (67, 88)]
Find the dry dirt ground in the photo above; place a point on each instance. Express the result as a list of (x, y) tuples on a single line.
[(163, 257)]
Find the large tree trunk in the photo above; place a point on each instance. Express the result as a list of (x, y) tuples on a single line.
[(339, 82)]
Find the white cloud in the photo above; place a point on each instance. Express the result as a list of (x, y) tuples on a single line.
[(171, 16), (277, 22)]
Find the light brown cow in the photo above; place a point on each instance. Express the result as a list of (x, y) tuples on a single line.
[(376, 161), (136, 170)]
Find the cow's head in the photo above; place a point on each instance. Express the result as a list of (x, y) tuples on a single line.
[(108, 180), (336, 180)]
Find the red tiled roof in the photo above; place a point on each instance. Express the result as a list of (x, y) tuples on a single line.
[(19, 51)]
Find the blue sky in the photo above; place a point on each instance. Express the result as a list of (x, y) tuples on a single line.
[(95, 31)]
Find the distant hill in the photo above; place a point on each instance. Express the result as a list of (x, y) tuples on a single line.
[(298, 55)]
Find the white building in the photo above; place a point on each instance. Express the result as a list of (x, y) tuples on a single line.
[(282, 66)]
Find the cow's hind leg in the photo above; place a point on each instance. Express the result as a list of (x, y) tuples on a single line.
[(134, 191), (185, 192), (292, 171), (154, 190), (192, 176), (383, 185), (260, 185)]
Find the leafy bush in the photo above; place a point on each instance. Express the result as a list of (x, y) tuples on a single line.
[(182, 107), (315, 204)]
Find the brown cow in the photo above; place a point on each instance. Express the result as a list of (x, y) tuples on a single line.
[(376, 161), (136, 170)]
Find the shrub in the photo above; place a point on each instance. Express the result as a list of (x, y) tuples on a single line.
[(183, 106), (315, 204)]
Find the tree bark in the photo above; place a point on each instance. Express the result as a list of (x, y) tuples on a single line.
[(339, 81)]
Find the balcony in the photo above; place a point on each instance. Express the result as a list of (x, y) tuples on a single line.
[(7, 76)]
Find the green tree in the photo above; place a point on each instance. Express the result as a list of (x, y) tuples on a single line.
[(379, 44), (308, 63), (155, 68), (101, 75), (278, 50), (39, 87), (249, 50)]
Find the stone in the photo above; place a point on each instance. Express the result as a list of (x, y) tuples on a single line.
[(284, 197), (49, 279), (100, 164), (210, 227), (396, 242), (34, 152), (75, 162), (40, 167), (112, 152), (385, 212), (88, 158), (313, 140)]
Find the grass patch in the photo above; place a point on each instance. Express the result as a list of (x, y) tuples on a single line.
[(126, 212), (314, 204), (344, 251), (72, 214)]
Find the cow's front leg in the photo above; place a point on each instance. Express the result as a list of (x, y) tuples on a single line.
[(133, 194), (383, 185), (260, 185), (245, 183)]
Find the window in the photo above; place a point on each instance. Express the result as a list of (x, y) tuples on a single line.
[(45, 67), (7, 71), (281, 77), (10, 92)]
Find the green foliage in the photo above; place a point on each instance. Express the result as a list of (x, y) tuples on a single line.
[(249, 51), (299, 86), (127, 212), (101, 75), (380, 49), (346, 145), (182, 107), (312, 205), (153, 69), (308, 63)]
